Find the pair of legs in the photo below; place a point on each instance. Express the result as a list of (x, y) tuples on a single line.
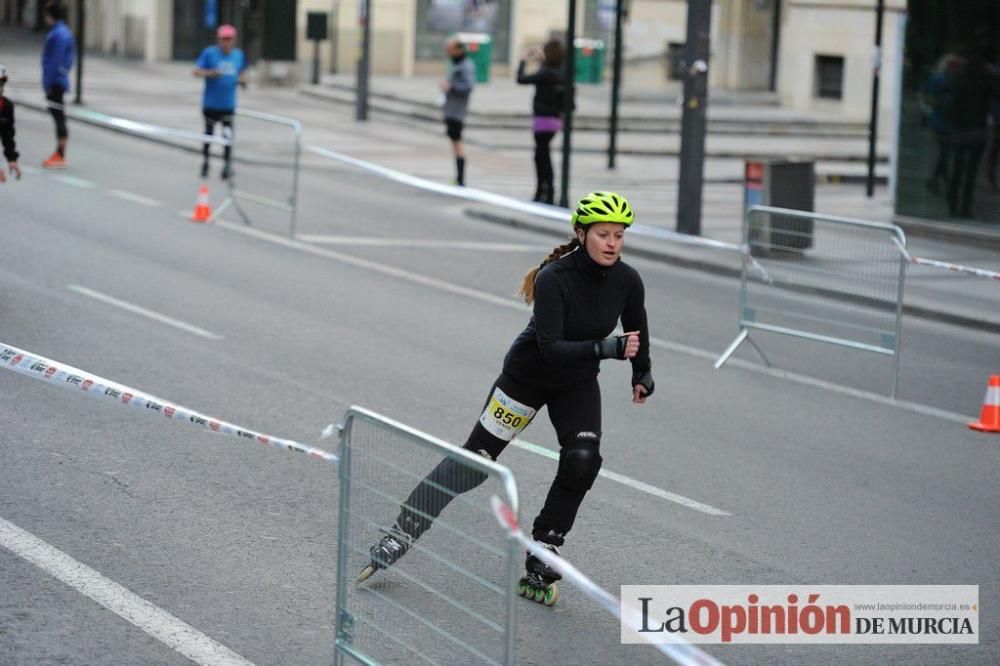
[(453, 128), (962, 184), (212, 118), (940, 173), (575, 412), (54, 96), (544, 174)]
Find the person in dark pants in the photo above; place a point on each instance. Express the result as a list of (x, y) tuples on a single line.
[(974, 88), (579, 293), (457, 90), (7, 131), (57, 61), (224, 68), (547, 108)]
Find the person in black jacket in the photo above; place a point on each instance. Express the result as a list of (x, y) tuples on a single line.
[(546, 108), (7, 131), (579, 293)]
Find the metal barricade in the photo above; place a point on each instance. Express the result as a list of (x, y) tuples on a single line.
[(451, 598), (275, 154), (824, 278)]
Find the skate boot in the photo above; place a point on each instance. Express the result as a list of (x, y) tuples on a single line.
[(538, 584), (386, 551)]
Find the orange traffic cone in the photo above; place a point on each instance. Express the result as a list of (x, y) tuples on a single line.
[(203, 206), (989, 418)]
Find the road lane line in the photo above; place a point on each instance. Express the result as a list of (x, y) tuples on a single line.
[(152, 619), (357, 241), (630, 482), (139, 310), (75, 182), (135, 198), (374, 266), (486, 297)]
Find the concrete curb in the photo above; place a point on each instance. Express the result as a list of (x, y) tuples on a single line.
[(641, 247)]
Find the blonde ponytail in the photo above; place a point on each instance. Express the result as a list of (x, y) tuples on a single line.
[(528, 283)]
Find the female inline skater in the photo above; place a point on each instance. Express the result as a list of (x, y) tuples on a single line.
[(579, 293)]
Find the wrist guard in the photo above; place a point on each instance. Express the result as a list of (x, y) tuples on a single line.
[(644, 379), (613, 347)]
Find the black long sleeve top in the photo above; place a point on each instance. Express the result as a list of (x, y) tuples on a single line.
[(7, 129), (549, 89), (577, 302)]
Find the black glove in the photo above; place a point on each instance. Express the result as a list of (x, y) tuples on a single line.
[(613, 347), (644, 379)]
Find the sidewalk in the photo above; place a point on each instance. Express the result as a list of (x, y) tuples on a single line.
[(166, 94)]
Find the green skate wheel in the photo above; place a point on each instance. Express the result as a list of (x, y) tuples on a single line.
[(522, 589), (540, 594), (551, 595)]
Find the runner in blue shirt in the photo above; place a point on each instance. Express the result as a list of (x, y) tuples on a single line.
[(57, 60), (223, 67)]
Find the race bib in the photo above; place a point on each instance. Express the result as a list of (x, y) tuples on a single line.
[(504, 417)]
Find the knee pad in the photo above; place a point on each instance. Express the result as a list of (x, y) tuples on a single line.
[(580, 462)]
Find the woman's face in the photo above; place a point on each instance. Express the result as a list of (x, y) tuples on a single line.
[(603, 242)]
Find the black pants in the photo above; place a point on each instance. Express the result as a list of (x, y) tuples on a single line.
[(962, 184), (55, 96), (543, 167), (212, 117), (573, 410)]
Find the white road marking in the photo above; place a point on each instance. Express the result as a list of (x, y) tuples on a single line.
[(30, 169), (374, 266), (679, 348), (153, 620), (806, 380), (630, 482), (74, 181), (135, 198), (139, 310), (414, 242)]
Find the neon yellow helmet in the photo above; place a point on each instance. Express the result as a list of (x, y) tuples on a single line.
[(602, 207)]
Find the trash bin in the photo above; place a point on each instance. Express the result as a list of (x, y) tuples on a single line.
[(782, 184), (479, 49), (589, 60)]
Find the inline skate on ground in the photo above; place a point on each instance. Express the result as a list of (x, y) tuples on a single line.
[(386, 551), (538, 584)]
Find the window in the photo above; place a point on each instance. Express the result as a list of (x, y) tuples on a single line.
[(829, 77)]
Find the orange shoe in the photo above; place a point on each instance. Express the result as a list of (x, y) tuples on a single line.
[(55, 161)]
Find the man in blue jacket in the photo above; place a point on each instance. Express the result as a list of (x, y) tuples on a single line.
[(57, 61), (223, 67)]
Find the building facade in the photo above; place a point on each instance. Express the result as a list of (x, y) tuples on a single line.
[(815, 55)]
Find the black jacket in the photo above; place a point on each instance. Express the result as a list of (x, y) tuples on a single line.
[(577, 302), (7, 129), (549, 89)]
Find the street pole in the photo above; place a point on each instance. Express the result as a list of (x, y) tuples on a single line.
[(569, 76), (694, 118), (364, 62), (876, 76), (616, 85), (81, 35)]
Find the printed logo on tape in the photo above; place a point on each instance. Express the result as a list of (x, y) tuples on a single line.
[(504, 417)]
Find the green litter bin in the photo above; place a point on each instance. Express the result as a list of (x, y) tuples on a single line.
[(589, 60), (479, 49)]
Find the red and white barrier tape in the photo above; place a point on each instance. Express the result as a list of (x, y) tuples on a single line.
[(681, 652), (73, 379), (957, 268)]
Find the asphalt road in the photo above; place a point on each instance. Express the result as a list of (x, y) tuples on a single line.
[(823, 482)]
